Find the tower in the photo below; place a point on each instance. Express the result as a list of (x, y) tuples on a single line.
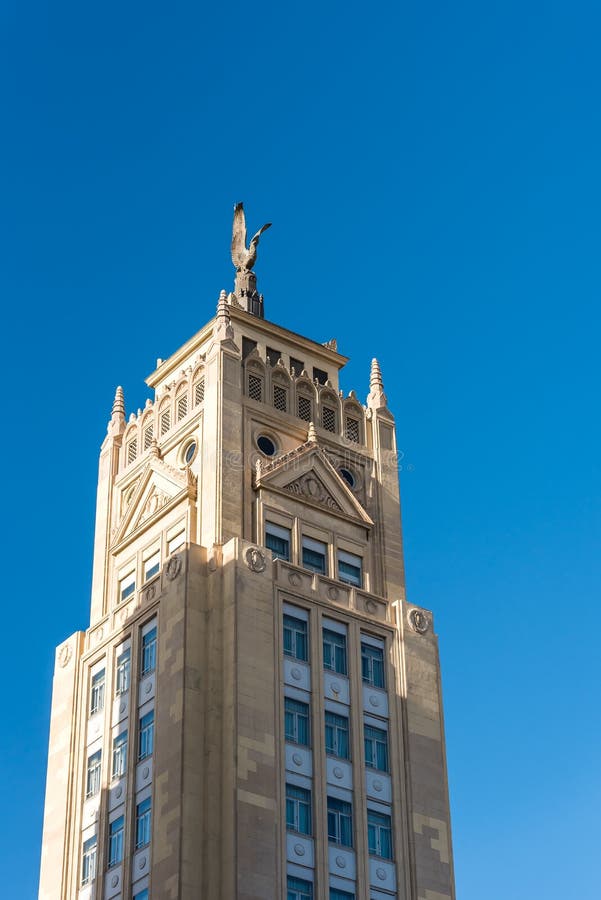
[(255, 709)]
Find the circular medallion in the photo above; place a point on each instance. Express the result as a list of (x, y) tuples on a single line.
[(419, 621), (297, 759), (381, 873), (64, 655), (377, 785), (371, 606), (338, 773), (99, 634), (173, 568), (335, 687), (299, 849), (145, 772), (374, 700), (142, 862), (341, 862), (149, 594), (294, 578), (118, 792), (148, 687), (114, 881), (333, 593), (296, 673), (122, 706), (255, 560)]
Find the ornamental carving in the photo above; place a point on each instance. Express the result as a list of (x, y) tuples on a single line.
[(64, 655), (156, 500), (255, 560), (419, 621), (294, 578), (173, 567), (310, 486)]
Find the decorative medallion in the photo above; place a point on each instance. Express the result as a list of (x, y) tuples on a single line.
[(173, 567), (142, 862), (99, 635), (122, 706), (297, 759), (296, 673), (145, 772), (335, 687), (299, 849), (338, 773), (419, 621), (371, 606), (148, 687), (333, 592), (341, 862), (374, 700), (149, 593), (255, 560), (114, 881), (377, 785), (294, 579), (64, 655), (118, 792), (310, 486), (381, 873), (123, 616)]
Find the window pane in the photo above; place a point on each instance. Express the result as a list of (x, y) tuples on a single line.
[(334, 651), (120, 755), (277, 540), (295, 638), (149, 645), (146, 738), (97, 693), (298, 889), (122, 675)]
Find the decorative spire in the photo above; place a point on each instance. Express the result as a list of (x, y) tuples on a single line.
[(243, 258), (377, 397), (223, 327), (311, 434), (116, 423)]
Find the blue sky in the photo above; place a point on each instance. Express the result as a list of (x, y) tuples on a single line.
[(432, 175)]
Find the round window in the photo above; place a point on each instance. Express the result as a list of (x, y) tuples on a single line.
[(190, 452), (347, 476), (266, 445)]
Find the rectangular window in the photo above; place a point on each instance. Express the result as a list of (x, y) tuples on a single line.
[(176, 542), (277, 539), (319, 375), (280, 398), (340, 822), (143, 813), (199, 392), (142, 895), (296, 721), (372, 665), (97, 693), (182, 407), (296, 366), (148, 435), (304, 407), (122, 674), (88, 861), (127, 586), (149, 651), (247, 346), (119, 755), (337, 735), (93, 774), (337, 894), (298, 889), (165, 421), (255, 387), (328, 418), (350, 568), (334, 651), (298, 809), (295, 638), (146, 736), (115, 855), (379, 834), (273, 356), (351, 430), (315, 556), (376, 748), (152, 566), (132, 450)]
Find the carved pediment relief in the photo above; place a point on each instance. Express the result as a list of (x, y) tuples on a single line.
[(308, 475), (159, 485)]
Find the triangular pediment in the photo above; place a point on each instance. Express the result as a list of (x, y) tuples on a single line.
[(159, 485), (308, 475)]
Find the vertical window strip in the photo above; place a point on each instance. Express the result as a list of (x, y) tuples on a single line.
[(199, 392), (328, 418), (182, 406), (148, 435), (280, 398), (304, 408), (351, 430), (255, 387), (132, 450), (165, 421)]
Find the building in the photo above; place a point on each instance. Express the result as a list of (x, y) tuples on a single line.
[(255, 709)]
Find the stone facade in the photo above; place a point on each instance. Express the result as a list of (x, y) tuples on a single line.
[(188, 661)]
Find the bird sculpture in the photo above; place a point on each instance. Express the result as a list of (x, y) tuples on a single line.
[(242, 257)]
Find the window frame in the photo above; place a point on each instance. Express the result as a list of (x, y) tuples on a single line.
[(293, 735), (89, 860), (379, 846), (295, 632), (334, 651), (148, 655), (143, 823), (352, 561), (146, 735), (115, 842), (278, 532), (311, 545), (368, 655), (337, 729), (123, 672), (119, 753), (342, 820), (376, 744), (93, 774), (97, 692), (301, 806)]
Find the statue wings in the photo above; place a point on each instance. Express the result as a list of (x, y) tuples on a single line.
[(242, 257)]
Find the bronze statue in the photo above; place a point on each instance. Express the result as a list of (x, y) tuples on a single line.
[(244, 258)]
